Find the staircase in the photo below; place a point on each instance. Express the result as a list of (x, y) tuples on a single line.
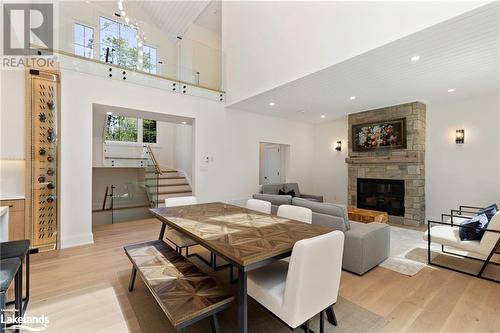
[(170, 183)]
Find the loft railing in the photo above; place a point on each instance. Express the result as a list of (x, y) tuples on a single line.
[(184, 60)]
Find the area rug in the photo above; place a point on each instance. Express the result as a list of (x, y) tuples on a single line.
[(406, 256)]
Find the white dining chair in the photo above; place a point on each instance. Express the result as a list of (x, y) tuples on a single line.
[(309, 284), (259, 206), (297, 213), (177, 238)]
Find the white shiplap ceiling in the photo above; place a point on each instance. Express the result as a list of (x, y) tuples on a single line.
[(462, 53), (173, 17)]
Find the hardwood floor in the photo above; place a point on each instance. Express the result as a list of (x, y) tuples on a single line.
[(76, 286)]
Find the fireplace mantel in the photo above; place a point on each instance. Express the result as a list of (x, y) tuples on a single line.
[(408, 158)]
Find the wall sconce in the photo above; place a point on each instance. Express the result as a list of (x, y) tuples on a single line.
[(460, 136), (338, 147)]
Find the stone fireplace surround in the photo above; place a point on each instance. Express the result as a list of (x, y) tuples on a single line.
[(404, 164)]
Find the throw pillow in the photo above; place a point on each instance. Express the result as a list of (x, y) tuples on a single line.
[(291, 193), (479, 222), (489, 211)]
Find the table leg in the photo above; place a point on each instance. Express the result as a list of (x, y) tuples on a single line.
[(162, 231), (242, 301)]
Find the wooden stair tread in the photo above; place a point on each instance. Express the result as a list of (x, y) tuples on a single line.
[(160, 177), (180, 288), (168, 185), (174, 192)]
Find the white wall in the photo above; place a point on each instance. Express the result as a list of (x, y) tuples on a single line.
[(183, 150), (229, 137), (269, 43), (455, 174), (468, 173), (330, 169)]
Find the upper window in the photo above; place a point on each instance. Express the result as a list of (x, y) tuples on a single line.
[(129, 129), (150, 59), (118, 43), (120, 128), (83, 40)]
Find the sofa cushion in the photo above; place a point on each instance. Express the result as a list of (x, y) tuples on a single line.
[(287, 187), (274, 199), (324, 208), (272, 188)]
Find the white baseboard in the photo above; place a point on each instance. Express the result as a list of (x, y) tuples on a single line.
[(77, 240)]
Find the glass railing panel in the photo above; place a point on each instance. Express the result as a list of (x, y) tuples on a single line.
[(130, 202), (92, 31)]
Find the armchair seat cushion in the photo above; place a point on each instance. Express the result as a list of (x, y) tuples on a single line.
[(451, 236)]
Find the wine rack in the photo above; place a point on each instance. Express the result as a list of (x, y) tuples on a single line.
[(42, 162)]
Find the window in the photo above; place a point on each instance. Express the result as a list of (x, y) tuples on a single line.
[(120, 128), (150, 60), (148, 131), (131, 130), (120, 40), (83, 40)]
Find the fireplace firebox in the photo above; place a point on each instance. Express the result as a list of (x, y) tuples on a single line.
[(386, 195)]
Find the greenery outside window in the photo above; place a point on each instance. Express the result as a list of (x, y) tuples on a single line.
[(83, 40), (149, 131), (120, 40), (130, 130), (150, 59)]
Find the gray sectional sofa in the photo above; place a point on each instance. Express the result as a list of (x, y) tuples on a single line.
[(286, 187), (365, 245)]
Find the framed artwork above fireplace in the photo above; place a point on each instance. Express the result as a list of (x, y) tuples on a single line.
[(389, 134)]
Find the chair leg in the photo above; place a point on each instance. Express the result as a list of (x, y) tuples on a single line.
[(2, 308), (331, 316), (321, 322), (487, 260), (27, 293), (214, 323), (187, 251), (132, 279)]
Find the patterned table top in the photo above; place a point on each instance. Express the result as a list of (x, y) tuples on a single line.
[(241, 235)]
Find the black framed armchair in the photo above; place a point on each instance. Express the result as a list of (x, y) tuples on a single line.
[(446, 233)]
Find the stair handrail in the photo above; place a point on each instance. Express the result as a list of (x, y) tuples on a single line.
[(149, 151)]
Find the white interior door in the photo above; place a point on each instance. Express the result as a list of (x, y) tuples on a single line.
[(271, 165)]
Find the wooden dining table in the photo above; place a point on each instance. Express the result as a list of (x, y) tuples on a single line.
[(246, 239)]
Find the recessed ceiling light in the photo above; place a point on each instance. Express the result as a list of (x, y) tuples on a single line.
[(352, 98), (271, 103), (109, 113), (183, 123), (415, 58), (323, 116), (451, 90)]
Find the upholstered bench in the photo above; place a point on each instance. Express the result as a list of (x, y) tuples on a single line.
[(184, 293)]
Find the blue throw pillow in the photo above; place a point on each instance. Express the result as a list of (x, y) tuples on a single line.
[(490, 211), (479, 222)]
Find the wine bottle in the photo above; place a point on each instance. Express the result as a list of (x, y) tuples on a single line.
[(50, 199), (41, 151), (50, 172), (41, 179)]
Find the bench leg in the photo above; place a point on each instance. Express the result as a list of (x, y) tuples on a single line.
[(132, 279), (18, 291), (214, 323), (321, 322)]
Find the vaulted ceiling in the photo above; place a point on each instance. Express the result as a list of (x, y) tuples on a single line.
[(173, 17), (461, 55)]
